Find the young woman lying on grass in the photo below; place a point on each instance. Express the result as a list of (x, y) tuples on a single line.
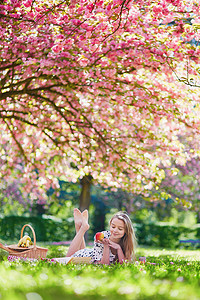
[(118, 244)]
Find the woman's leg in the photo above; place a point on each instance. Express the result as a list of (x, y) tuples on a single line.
[(78, 216), (85, 216), (78, 241)]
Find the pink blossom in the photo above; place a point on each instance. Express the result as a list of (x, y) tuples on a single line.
[(157, 9), (28, 3), (57, 48)]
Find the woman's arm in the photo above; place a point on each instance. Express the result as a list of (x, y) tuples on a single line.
[(106, 256), (120, 253), (105, 260)]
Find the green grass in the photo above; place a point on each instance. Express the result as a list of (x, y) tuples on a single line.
[(165, 275)]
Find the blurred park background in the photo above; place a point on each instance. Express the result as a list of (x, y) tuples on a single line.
[(162, 223)]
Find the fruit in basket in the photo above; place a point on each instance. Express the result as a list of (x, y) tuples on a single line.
[(99, 236), (25, 241)]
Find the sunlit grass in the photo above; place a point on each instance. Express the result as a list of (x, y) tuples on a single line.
[(183, 253), (165, 275)]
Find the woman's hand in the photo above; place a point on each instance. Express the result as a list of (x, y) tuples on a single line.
[(105, 242), (114, 245), (109, 243)]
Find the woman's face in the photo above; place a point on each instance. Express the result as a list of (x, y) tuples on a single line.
[(117, 229)]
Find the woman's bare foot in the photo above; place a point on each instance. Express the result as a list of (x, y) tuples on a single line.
[(85, 226), (78, 218), (85, 214)]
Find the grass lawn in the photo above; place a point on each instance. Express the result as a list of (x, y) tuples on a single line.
[(166, 274)]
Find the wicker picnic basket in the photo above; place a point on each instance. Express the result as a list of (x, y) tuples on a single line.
[(32, 251)]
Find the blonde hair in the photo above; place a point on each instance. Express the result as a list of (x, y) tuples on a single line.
[(128, 241)]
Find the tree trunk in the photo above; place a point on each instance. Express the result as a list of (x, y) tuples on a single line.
[(85, 197)]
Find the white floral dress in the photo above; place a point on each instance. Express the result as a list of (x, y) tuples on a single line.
[(96, 252)]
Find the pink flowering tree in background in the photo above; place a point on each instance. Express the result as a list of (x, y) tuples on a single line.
[(183, 185), (89, 89)]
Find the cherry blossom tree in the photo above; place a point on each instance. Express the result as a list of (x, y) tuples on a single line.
[(182, 183), (89, 90)]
